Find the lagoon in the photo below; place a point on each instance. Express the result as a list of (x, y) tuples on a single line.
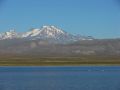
[(60, 78)]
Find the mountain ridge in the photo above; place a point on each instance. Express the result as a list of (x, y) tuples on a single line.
[(46, 32)]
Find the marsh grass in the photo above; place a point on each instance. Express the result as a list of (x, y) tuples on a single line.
[(59, 61)]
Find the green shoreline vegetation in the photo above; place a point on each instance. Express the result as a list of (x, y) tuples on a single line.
[(59, 61)]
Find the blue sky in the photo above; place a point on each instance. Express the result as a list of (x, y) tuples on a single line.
[(97, 18)]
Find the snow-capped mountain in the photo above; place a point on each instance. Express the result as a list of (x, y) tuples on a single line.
[(9, 35), (45, 31), (51, 33)]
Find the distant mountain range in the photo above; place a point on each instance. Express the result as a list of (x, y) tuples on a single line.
[(51, 41), (51, 33)]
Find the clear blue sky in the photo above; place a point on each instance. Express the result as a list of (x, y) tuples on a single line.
[(97, 18)]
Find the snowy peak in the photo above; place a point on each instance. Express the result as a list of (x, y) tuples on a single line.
[(9, 35), (51, 31), (46, 31)]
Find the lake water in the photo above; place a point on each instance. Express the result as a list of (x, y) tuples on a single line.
[(60, 78)]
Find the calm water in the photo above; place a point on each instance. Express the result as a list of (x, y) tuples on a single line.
[(60, 78)]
